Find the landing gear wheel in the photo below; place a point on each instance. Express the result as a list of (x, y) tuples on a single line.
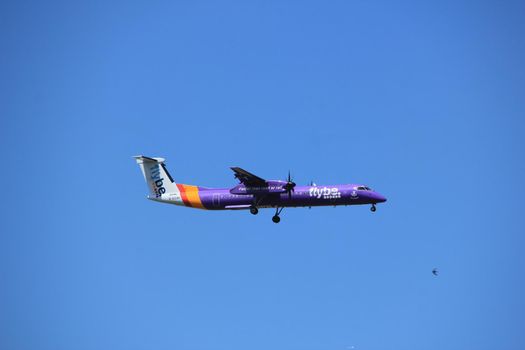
[(276, 219), (254, 210), (373, 208)]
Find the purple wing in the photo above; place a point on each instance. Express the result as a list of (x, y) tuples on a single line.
[(247, 178)]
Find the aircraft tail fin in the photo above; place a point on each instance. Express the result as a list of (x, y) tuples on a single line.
[(157, 177)]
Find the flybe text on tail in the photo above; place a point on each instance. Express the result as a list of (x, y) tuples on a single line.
[(157, 183)]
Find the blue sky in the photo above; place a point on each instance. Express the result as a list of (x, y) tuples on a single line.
[(423, 101)]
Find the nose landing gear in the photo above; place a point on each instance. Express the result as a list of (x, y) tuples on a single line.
[(254, 210), (373, 208)]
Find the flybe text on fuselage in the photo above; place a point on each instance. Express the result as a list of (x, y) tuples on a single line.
[(325, 192)]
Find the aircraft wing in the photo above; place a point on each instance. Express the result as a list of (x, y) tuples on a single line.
[(248, 178)]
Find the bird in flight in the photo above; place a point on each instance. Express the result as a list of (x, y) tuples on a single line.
[(435, 271)]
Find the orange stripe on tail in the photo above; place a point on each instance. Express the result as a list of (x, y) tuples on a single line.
[(190, 196), (183, 195)]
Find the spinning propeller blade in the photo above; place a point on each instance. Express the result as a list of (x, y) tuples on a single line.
[(289, 186)]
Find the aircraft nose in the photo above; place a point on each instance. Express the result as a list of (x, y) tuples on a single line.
[(379, 198)]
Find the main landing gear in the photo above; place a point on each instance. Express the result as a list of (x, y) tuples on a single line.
[(276, 217), (254, 210), (373, 208)]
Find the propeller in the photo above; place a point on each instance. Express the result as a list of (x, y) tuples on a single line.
[(289, 186)]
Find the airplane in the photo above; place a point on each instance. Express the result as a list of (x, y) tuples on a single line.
[(252, 192)]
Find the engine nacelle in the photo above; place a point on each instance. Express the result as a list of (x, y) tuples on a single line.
[(270, 187)]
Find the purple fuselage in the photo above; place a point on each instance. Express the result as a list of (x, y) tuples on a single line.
[(273, 195)]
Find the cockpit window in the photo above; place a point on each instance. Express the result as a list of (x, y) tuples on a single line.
[(364, 188)]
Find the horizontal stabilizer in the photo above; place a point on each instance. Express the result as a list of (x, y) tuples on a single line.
[(145, 159)]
